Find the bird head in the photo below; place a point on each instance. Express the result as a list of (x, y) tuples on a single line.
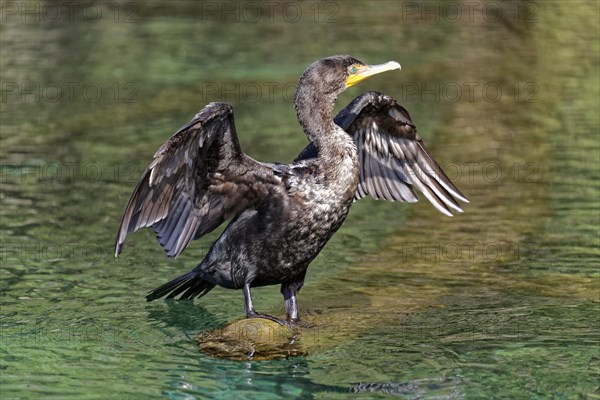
[(322, 82), (336, 73)]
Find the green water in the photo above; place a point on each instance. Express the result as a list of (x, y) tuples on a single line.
[(499, 302)]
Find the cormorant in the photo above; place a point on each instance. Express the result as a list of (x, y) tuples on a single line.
[(281, 214)]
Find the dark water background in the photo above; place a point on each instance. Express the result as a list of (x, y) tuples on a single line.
[(499, 302)]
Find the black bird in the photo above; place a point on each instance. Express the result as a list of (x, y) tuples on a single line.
[(281, 214)]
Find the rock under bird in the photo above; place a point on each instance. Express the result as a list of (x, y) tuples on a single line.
[(281, 215)]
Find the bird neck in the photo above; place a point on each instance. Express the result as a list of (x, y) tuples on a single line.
[(314, 111)]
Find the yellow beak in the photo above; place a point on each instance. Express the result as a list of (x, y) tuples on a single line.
[(369, 70)]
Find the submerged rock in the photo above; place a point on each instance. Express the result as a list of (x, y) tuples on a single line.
[(256, 339)]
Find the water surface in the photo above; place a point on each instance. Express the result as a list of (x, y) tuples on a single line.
[(499, 302)]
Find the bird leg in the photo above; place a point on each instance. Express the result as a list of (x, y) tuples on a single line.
[(291, 305), (251, 312)]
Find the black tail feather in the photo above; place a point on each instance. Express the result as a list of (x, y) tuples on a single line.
[(190, 284)]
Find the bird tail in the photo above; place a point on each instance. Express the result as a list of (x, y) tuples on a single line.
[(189, 285)]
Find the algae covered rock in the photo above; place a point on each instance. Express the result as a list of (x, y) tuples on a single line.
[(256, 339)]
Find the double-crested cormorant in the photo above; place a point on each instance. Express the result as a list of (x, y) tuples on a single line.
[(281, 214)]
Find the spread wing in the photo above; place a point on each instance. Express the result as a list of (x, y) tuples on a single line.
[(393, 159), (197, 180)]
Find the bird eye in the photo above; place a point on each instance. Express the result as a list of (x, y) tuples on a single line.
[(353, 69)]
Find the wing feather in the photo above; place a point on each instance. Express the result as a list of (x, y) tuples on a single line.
[(393, 159), (188, 188)]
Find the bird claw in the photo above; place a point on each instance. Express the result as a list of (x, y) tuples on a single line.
[(289, 322), (254, 314)]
